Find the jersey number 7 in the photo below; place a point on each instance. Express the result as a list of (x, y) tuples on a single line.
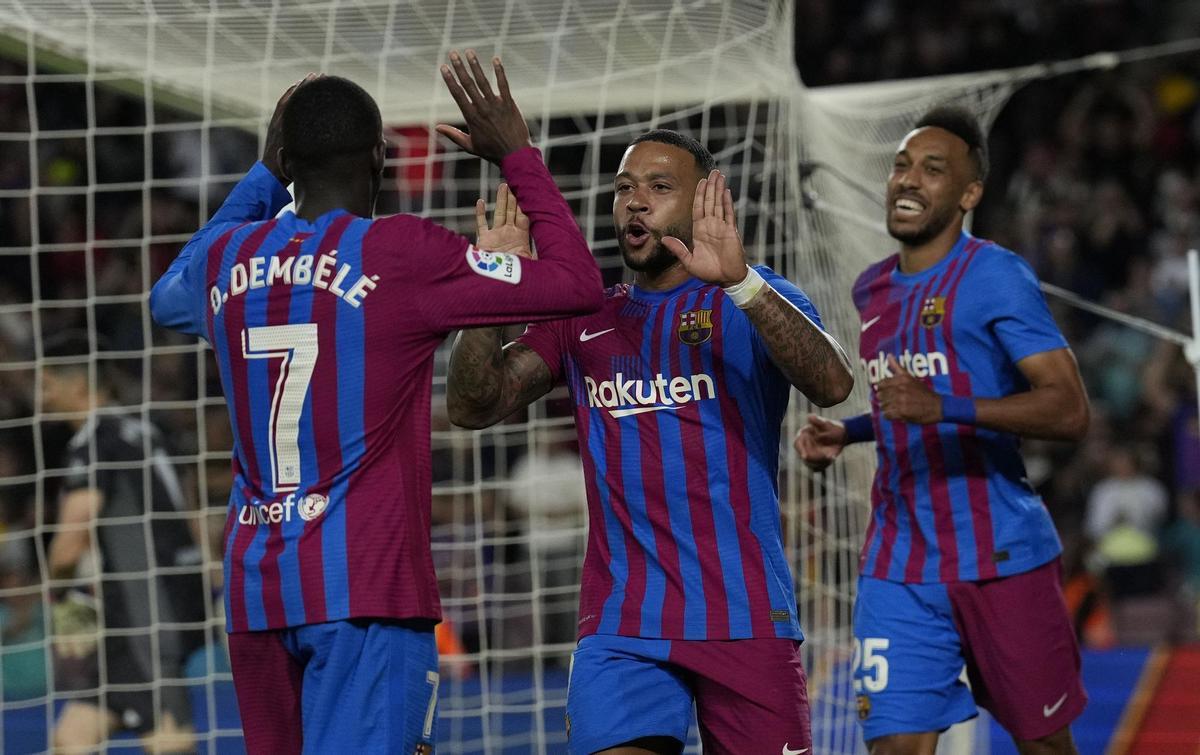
[(296, 345)]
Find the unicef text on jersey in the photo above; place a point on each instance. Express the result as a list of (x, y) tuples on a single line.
[(277, 512)]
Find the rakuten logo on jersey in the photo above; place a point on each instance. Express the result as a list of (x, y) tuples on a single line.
[(921, 365), (307, 508), (625, 397)]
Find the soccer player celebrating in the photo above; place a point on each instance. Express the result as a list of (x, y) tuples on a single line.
[(324, 323), (961, 560), (679, 383)]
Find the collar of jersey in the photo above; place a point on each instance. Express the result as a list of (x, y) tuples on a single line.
[(910, 278), (321, 221), (653, 297)]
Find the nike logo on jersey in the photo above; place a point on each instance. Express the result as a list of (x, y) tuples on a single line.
[(639, 410), (1050, 710), (788, 751), (586, 336), (870, 322)]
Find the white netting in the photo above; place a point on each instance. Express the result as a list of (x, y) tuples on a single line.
[(124, 123)]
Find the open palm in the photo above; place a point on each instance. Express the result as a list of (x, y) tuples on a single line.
[(509, 231), (716, 255)]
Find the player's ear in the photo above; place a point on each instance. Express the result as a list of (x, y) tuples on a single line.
[(281, 159), (971, 196), (379, 155)]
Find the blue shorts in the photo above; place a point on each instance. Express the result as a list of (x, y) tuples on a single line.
[(1012, 634), (749, 695), (356, 686)]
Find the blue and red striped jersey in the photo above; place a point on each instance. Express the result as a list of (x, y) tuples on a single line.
[(951, 501), (678, 409), (324, 334)]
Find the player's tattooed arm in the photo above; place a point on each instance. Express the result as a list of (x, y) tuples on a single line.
[(810, 359), (488, 381)]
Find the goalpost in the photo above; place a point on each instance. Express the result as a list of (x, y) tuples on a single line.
[(124, 124)]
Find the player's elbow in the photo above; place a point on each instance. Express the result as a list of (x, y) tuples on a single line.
[(1076, 421), (464, 414), (836, 388), (156, 301)]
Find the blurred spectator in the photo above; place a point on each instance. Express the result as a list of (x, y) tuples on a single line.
[(548, 497), (1126, 496), (112, 557)]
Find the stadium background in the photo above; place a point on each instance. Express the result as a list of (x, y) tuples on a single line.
[(1095, 180)]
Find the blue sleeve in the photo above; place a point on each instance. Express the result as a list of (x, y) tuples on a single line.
[(1016, 308), (177, 299)]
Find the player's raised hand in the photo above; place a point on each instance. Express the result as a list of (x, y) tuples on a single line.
[(495, 126), (820, 441), (905, 398), (274, 140), (509, 231), (716, 255)]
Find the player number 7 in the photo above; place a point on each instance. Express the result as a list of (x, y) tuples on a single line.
[(296, 345), (431, 678)]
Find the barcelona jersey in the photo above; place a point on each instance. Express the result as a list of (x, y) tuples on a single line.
[(678, 409), (951, 502)]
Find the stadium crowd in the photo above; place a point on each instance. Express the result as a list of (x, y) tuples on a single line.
[(1096, 181)]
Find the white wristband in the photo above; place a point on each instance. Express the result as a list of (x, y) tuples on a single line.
[(742, 293)]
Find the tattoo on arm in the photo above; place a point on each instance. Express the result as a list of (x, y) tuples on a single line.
[(488, 381), (810, 360)]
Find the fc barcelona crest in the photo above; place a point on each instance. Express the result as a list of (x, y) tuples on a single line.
[(933, 310), (695, 327)]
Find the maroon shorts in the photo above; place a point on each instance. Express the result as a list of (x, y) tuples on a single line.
[(1013, 634), (1021, 651)]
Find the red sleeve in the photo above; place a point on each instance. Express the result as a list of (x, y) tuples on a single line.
[(454, 285), (545, 338)]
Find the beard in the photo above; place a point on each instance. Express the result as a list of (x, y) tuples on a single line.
[(937, 222), (654, 257)]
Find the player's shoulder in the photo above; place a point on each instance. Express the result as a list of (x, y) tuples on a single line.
[(874, 272), (619, 291), (214, 235), (616, 298), (410, 230), (877, 270), (990, 262)]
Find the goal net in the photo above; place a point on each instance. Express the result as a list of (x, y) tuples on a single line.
[(123, 125)]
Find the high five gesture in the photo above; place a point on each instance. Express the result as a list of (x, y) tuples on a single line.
[(495, 126)]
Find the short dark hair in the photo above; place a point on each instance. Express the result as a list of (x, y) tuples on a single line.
[(704, 159), (960, 122), (328, 118)]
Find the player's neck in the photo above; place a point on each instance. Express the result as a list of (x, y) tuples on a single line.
[(920, 257), (664, 280), (314, 203)]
